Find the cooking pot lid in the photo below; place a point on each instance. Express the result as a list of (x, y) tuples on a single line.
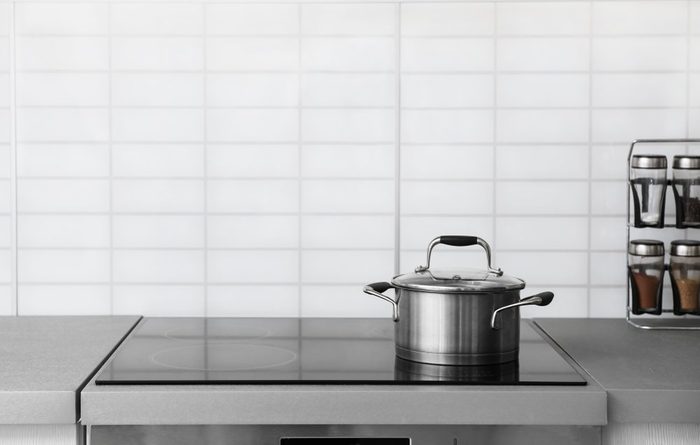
[(457, 281)]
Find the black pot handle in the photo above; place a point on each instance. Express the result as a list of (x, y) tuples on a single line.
[(458, 240), (378, 289), (541, 299)]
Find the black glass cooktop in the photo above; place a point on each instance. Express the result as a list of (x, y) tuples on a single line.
[(307, 351)]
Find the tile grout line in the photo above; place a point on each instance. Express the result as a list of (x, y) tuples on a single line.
[(397, 139), (110, 155), (494, 135), (205, 166), (689, 42), (300, 153), (14, 185), (589, 228)]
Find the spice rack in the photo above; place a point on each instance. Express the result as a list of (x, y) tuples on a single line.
[(654, 322)]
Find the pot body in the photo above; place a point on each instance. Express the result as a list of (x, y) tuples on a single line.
[(455, 329)]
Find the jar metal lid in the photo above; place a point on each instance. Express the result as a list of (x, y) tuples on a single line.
[(649, 161), (646, 247), (686, 162), (685, 247)]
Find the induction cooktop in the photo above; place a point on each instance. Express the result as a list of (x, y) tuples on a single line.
[(166, 351)]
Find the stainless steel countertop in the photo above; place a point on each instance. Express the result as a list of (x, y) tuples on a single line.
[(343, 404), (650, 376), (44, 361)]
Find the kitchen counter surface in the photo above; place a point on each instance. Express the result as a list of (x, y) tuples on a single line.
[(45, 361), (650, 376), (343, 404)]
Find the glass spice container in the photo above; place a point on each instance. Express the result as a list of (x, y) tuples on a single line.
[(685, 276), (686, 190), (648, 183), (646, 273)]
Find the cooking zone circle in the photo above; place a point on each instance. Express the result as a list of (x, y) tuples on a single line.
[(224, 357)]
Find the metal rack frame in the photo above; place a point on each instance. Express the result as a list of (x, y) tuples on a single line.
[(681, 322)]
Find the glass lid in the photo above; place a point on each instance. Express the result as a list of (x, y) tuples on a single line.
[(457, 280)]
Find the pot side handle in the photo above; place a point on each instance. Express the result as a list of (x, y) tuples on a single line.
[(541, 299), (377, 290)]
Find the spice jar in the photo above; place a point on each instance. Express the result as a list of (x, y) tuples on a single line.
[(648, 184), (686, 190), (685, 276), (646, 273)]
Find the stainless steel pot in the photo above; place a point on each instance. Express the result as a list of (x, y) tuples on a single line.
[(457, 317)]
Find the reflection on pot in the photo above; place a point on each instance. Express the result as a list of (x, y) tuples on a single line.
[(477, 374)]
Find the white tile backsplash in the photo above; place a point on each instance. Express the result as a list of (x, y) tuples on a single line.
[(347, 125), (639, 90), (251, 125), (347, 161), (63, 195), (447, 19), (61, 53), (347, 232), (63, 160), (346, 267), (624, 125), (252, 301), (61, 19), (84, 266), (63, 231), (548, 126), (157, 89), (542, 161), (348, 19), (543, 54), (428, 162), (640, 17), (251, 53), (248, 90), (156, 19), (157, 231), (62, 124), (640, 53), (252, 19), (225, 161), (62, 89), (447, 126), (157, 196), (165, 266), (253, 196), (543, 18), (157, 125), (266, 159), (253, 232), (347, 196), (253, 267), (543, 90), (347, 90), (430, 54), (52, 299), (446, 197), (348, 53), (551, 233), (536, 198), (157, 160), (159, 301), (156, 53), (447, 90)]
